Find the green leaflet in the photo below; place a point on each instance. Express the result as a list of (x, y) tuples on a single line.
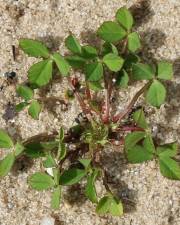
[(19, 148), (111, 32), (5, 140), (34, 109), (6, 164), (113, 62), (140, 119), (41, 181), (25, 92), (94, 71), (133, 138), (165, 70), (122, 79), (62, 64), (89, 52), (72, 176), (34, 48), (156, 94), (41, 73), (124, 17), (142, 71), (169, 150), (133, 42), (73, 45)]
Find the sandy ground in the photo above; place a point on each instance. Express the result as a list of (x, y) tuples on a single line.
[(148, 197)]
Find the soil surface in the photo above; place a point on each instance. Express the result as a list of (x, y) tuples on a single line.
[(148, 197)]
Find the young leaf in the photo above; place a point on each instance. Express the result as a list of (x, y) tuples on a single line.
[(34, 109), (6, 164), (89, 52), (62, 64), (169, 167), (21, 106), (34, 48), (103, 205), (72, 176), (125, 18), (142, 72), (25, 92), (165, 70), (133, 42), (169, 150), (140, 119), (76, 61), (156, 94), (122, 79), (56, 198), (133, 138), (41, 72), (19, 148), (5, 140), (90, 190), (41, 181), (113, 62), (94, 71), (111, 32), (73, 45), (138, 154)]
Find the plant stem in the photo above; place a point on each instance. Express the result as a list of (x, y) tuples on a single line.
[(121, 115), (129, 128)]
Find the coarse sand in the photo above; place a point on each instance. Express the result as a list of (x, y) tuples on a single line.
[(149, 198)]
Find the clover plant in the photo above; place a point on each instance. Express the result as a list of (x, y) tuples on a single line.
[(105, 70)]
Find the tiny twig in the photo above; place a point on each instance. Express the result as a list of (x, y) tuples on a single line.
[(121, 115)]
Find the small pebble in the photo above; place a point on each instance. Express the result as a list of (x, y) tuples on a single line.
[(47, 221)]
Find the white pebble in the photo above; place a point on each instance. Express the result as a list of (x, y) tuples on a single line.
[(47, 221)]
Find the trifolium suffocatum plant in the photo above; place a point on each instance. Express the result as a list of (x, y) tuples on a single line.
[(108, 70)]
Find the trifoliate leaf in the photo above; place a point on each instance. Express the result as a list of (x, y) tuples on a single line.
[(62, 64), (133, 42), (111, 32), (138, 154), (169, 150), (41, 181), (89, 52), (156, 94), (76, 61), (142, 71), (5, 140), (90, 190), (72, 176), (94, 71), (73, 45), (6, 164), (133, 138), (122, 79), (113, 62), (19, 148), (41, 72), (56, 198), (165, 70), (34, 48), (25, 92), (21, 106), (124, 17), (34, 109), (140, 119), (169, 167)]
